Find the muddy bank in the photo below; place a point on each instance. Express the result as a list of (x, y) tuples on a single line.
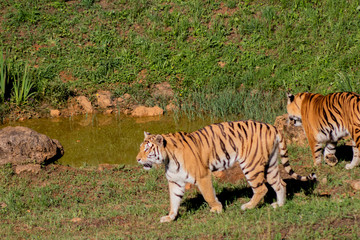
[(103, 102)]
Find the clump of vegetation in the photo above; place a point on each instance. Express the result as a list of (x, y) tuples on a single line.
[(16, 81), (231, 104), (22, 87)]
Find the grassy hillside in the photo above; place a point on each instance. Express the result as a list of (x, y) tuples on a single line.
[(206, 50)]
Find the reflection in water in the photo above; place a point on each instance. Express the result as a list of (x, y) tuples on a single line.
[(113, 139)]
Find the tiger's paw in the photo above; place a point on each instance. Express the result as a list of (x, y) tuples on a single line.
[(166, 219), (317, 162), (217, 209), (275, 205), (349, 166), (246, 206), (331, 160)]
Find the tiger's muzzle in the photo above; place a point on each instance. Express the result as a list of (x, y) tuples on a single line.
[(146, 165)]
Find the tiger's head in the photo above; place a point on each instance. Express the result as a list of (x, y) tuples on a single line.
[(294, 108), (152, 150)]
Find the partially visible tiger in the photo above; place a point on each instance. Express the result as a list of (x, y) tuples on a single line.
[(326, 119), (190, 158)]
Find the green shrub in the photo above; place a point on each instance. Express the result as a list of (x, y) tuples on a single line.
[(56, 92)]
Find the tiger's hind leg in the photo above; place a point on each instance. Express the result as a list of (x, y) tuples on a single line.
[(356, 160), (256, 181), (316, 150), (329, 154), (259, 193), (274, 180)]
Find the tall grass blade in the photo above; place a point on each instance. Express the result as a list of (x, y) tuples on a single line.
[(3, 77)]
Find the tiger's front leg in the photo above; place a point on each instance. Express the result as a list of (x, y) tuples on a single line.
[(207, 190), (176, 190)]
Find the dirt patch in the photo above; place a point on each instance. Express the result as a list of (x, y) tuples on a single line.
[(66, 76), (142, 76), (223, 11), (163, 90), (221, 64), (345, 223), (105, 4)]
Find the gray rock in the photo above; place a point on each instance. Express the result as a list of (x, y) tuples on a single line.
[(22, 145)]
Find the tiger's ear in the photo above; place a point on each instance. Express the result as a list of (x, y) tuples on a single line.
[(290, 98), (159, 140), (146, 134)]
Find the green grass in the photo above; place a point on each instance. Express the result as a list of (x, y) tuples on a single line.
[(127, 202), (230, 104), (198, 46)]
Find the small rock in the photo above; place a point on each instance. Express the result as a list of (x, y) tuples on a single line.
[(324, 180), (355, 184), (120, 100), (142, 111), (85, 104), (33, 168), (104, 99), (54, 113), (126, 96), (127, 111), (76, 220), (171, 107)]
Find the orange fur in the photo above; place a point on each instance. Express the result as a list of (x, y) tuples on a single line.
[(190, 157), (325, 120)]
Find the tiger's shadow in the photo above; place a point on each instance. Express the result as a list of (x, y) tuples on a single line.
[(344, 153), (228, 196)]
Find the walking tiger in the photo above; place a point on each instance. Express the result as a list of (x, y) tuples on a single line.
[(190, 158), (325, 120)]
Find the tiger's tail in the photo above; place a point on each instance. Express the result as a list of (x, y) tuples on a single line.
[(285, 161)]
